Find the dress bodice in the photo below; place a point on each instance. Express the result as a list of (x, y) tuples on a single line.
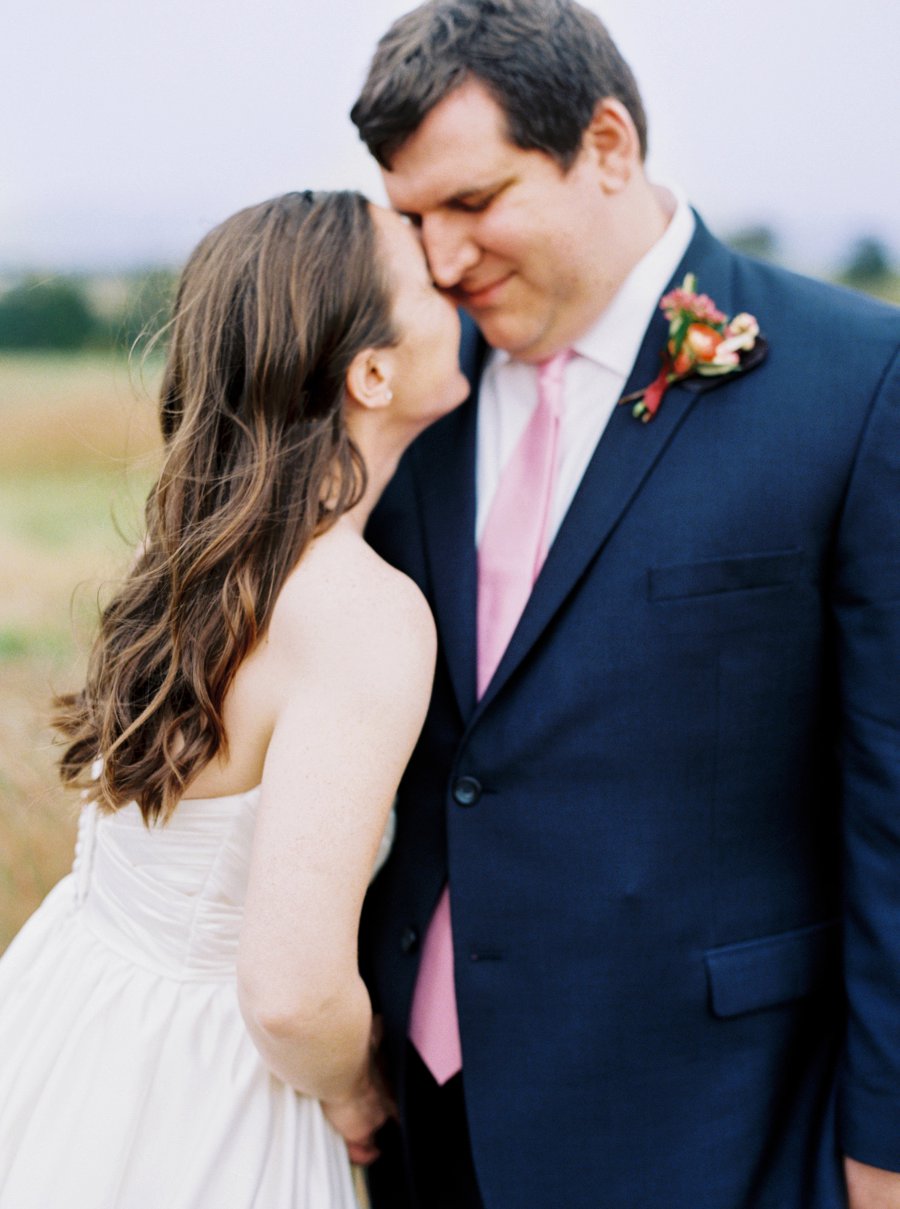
[(170, 896)]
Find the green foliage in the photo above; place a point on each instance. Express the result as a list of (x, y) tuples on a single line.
[(148, 307), (46, 313), (13, 643), (22, 643), (70, 314), (868, 263), (758, 240)]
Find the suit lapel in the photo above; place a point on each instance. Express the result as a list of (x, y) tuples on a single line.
[(625, 455)]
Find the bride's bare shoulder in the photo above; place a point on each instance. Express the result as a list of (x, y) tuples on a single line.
[(343, 603)]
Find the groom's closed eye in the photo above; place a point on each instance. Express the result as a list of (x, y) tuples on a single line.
[(474, 201), (472, 205)]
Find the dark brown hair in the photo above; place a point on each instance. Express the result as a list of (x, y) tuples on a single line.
[(272, 307), (546, 62)]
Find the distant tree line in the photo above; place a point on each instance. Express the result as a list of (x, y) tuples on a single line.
[(867, 264), (65, 313), (70, 313)]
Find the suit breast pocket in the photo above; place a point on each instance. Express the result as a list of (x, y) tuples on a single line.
[(715, 577)]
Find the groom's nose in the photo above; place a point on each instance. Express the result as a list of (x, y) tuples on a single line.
[(449, 248)]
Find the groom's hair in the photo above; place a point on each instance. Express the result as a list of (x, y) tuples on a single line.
[(546, 62)]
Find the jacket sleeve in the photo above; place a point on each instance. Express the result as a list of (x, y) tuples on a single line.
[(866, 604)]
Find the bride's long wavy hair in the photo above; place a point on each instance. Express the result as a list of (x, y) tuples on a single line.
[(272, 307)]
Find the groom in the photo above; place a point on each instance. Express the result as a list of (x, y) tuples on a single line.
[(638, 945)]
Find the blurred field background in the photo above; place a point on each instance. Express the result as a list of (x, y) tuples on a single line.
[(77, 455), (79, 450)]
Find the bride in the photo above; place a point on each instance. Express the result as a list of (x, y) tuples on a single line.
[(182, 1022)]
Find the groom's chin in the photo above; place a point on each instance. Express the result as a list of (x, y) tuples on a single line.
[(525, 334), (504, 332)]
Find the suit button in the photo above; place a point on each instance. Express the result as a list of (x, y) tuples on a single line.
[(466, 791), (409, 941)]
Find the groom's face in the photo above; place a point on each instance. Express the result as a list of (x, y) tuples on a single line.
[(513, 239)]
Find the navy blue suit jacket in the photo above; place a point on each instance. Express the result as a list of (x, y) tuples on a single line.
[(675, 871)]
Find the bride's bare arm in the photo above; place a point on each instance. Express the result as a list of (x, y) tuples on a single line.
[(351, 665)]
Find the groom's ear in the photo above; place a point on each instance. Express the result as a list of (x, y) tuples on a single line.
[(612, 140), (369, 378)]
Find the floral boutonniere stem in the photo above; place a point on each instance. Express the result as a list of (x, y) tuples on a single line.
[(702, 341)]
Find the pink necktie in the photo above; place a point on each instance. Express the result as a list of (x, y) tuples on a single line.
[(512, 550)]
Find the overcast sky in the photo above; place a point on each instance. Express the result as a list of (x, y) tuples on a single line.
[(130, 127)]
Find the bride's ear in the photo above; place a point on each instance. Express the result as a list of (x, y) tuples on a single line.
[(369, 378)]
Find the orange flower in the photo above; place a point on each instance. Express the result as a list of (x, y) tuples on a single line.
[(700, 344)]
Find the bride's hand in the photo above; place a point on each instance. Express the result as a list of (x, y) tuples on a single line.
[(359, 1117), (357, 1121)]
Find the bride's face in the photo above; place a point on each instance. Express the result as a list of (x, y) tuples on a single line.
[(427, 380)]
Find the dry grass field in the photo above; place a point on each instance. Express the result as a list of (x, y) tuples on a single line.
[(77, 454)]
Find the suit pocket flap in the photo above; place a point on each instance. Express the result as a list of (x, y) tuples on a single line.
[(776, 969), (736, 574)]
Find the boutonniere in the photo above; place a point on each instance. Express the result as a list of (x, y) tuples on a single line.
[(702, 342)]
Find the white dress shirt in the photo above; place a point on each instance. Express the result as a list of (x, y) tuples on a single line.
[(595, 377)]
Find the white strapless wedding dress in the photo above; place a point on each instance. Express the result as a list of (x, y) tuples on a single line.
[(127, 1077)]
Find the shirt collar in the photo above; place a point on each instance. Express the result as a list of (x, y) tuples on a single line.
[(615, 338)]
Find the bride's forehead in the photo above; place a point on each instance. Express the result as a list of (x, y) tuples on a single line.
[(400, 242)]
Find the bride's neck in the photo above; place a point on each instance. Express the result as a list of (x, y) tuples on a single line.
[(381, 447)]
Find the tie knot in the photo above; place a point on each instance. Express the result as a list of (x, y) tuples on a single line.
[(550, 380)]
